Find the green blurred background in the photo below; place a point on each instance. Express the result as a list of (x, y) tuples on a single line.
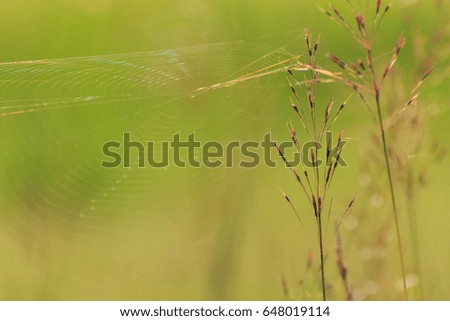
[(70, 229)]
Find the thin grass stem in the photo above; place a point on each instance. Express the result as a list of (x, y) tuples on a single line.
[(322, 263), (392, 192)]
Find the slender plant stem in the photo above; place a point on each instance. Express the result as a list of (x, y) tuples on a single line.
[(391, 187), (322, 263)]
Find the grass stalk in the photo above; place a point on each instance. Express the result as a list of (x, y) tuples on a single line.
[(316, 129), (392, 193), (322, 263), (365, 40)]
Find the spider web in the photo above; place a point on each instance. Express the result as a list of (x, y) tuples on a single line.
[(30, 86), (55, 114)]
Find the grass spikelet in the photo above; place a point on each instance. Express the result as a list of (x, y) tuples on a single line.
[(342, 267), (398, 47), (285, 288)]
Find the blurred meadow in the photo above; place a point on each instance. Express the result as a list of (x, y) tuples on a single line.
[(72, 230)]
